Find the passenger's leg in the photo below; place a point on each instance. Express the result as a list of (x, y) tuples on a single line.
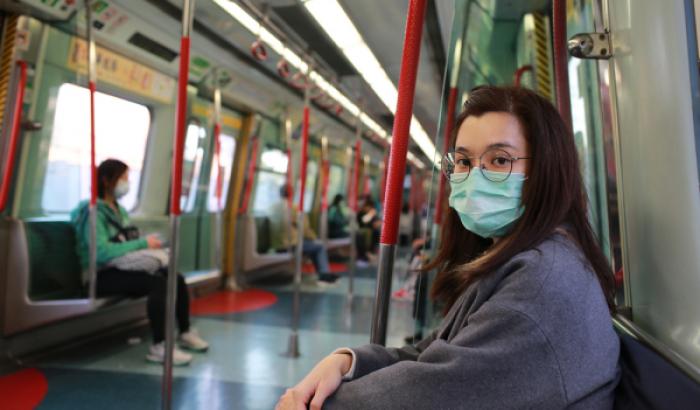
[(182, 308), (156, 308), (113, 282), (317, 252)]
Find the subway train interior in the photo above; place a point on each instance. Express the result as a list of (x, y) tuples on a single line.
[(285, 157)]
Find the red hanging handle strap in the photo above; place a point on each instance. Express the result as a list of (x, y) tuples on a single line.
[(16, 128)]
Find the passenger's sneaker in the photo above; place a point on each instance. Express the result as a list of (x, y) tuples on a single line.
[(191, 340), (328, 277), (157, 355), (362, 264)]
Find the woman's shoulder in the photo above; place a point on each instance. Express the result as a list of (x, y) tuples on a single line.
[(555, 269)]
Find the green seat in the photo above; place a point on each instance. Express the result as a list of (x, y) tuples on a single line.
[(55, 271)]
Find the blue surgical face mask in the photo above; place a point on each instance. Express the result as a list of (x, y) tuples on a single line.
[(487, 208)]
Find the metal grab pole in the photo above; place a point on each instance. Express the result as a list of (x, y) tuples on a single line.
[(293, 347), (175, 192), (397, 167), (219, 170), (353, 202), (561, 58), (92, 209)]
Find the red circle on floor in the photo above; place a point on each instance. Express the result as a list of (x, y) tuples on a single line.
[(232, 302), (24, 389)]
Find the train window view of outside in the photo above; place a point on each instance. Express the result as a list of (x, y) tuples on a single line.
[(68, 171), (272, 174), (228, 149)]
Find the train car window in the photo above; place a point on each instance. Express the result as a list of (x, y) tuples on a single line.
[(192, 165), (335, 182), (67, 178), (272, 174), (228, 149)]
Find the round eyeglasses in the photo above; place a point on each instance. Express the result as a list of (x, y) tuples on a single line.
[(456, 165)]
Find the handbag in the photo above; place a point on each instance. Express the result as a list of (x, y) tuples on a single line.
[(143, 260)]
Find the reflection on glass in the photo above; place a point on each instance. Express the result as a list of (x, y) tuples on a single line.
[(227, 151), (192, 165), (67, 178)]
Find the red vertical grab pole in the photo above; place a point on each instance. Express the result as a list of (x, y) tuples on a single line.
[(304, 156), (14, 135), (447, 137), (219, 171), (180, 118), (397, 166), (325, 179), (93, 166), (355, 191), (252, 162), (290, 185)]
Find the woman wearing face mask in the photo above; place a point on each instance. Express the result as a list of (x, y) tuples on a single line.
[(527, 290), (115, 239)]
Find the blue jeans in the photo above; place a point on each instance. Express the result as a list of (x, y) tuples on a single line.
[(317, 252)]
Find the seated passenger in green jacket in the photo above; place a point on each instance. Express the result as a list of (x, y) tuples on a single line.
[(337, 220), (528, 291), (123, 258)]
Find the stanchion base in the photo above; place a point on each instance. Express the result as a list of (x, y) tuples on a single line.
[(292, 347)]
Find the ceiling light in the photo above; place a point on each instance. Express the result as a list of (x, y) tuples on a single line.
[(329, 14)]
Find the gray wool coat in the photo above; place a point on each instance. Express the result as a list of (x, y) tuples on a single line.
[(536, 334)]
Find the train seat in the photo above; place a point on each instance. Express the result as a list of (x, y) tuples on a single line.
[(54, 267), (258, 255), (332, 244), (650, 382)]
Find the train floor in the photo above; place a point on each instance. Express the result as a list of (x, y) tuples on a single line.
[(245, 367)]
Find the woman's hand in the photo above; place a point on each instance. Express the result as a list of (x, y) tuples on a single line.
[(320, 383), (154, 242)]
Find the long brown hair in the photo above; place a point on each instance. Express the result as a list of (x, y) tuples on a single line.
[(553, 196)]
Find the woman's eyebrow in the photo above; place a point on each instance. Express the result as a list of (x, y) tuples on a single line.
[(501, 145), (462, 150)]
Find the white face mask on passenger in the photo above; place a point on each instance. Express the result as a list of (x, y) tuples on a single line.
[(121, 189)]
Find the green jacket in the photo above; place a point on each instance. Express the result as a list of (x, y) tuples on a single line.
[(106, 249)]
